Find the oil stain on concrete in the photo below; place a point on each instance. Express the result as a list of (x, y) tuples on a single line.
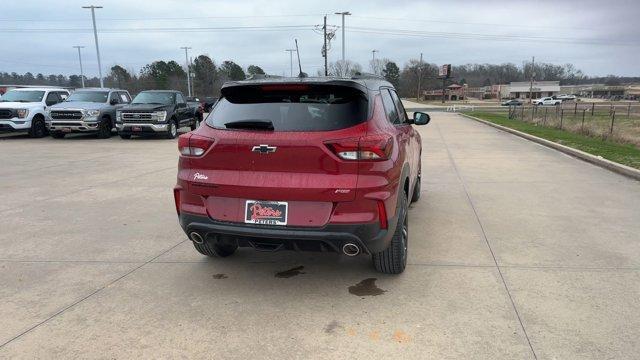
[(332, 326), (366, 287), (290, 273), (220, 276)]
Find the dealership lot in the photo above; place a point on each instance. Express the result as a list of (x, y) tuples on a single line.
[(515, 251)]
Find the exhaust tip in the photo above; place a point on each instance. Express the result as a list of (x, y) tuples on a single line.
[(196, 238), (350, 249)]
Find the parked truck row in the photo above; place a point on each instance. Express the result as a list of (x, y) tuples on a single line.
[(54, 111)]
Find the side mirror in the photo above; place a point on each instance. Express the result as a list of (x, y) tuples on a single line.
[(182, 105), (420, 118), (51, 102), (113, 101)]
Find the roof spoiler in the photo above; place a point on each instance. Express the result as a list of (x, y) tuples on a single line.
[(358, 75)]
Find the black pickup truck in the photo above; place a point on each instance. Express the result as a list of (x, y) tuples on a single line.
[(156, 112)]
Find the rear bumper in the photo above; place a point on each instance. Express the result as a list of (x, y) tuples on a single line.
[(369, 237)]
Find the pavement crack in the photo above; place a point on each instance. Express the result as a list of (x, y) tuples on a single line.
[(486, 239), (98, 290)]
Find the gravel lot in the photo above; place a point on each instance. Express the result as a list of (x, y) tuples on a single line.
[(516, 251)]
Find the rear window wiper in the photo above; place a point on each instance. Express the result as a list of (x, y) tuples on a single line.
[(250, 124)]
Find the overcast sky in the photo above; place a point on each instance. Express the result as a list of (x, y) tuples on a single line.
[(598, 37)]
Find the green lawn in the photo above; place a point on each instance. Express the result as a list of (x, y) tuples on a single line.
[(624, 154)]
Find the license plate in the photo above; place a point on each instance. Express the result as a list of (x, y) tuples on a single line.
[(266, 212), (136, 128), (66, 129)]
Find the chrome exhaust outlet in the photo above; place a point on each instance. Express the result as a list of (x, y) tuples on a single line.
[(196, 238), (350, 249)]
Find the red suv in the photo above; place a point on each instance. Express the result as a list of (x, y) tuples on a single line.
[(311, 164)]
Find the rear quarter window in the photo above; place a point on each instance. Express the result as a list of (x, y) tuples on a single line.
[(298, 107)]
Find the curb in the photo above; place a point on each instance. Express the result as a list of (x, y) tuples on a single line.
[(604, 163)]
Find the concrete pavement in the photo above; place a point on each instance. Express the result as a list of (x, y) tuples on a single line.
[(516, 251)]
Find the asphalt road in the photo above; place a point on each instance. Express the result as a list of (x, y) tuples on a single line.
[(516, 251)]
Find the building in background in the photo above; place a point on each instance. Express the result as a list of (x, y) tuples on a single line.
[(601, 91), (539, 89)]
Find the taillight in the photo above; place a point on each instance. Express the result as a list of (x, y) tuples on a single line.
[(346, 149), (376, 147), (193, 145), (382, 215), (371, 147)]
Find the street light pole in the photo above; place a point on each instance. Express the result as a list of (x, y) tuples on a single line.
[(419, 77), (291, 60), (95, 36), (80, 58), (373, 54), (324, 47), (343, 15), (186, 59), (533, 74)]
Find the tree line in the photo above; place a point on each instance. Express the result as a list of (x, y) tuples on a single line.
[(208, 77), (416, 73)]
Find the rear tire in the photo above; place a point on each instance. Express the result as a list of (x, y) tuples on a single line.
[(38, 128), (393, 260), (212, 249), (57, 135), (104, 129)]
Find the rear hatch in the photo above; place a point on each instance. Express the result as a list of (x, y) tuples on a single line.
[(269, 145)]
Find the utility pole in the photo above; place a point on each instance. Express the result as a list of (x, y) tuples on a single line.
[(95, 36), (192, 76), (291, 60), (324, 48), (533, 73), (186, 59), (80, 58), (419, 77), (344, 13)]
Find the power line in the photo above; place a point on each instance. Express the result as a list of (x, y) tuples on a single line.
[(357, 29), (161, 29), (165, 18), (422, 21)]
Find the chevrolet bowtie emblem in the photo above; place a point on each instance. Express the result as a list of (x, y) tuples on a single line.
[(264, 149)]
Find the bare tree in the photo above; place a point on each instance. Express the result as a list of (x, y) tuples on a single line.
[(376, 66), (345, 68)]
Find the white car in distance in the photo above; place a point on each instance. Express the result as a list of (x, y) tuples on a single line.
[(547, 101), (24, 109)]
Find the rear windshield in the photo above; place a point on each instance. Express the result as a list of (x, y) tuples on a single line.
[(298, 107)]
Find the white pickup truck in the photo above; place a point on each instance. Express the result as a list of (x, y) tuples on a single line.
[(547, 101), (25, 109)]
